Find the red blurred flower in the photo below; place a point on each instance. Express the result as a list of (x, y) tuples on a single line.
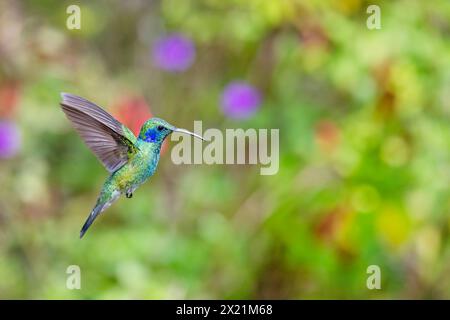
[(328, 225), (327, 135), (133, 112), (313, 35), (9, 98)]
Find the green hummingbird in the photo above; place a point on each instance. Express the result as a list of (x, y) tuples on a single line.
[(130, 160)]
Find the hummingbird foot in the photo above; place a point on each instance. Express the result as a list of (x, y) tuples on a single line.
[(129, 194)]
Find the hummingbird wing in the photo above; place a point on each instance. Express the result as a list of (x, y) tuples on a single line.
[(112, 142)]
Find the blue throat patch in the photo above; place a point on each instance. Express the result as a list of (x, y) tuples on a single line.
[(151, 135)]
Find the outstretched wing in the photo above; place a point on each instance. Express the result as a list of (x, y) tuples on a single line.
[(112, 142)]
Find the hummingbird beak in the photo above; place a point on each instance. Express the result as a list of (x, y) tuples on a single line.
[(188, 132)]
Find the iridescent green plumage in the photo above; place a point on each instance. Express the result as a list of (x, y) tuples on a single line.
[(131, 160)]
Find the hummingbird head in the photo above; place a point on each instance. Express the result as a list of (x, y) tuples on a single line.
[(156, 130)]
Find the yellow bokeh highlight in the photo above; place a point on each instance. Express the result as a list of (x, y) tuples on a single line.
[(393, 226)]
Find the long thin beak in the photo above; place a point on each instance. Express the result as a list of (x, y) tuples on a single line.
[(188, 132)]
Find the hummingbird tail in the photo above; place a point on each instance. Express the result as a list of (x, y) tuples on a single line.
[(104, 201), (95, 212)]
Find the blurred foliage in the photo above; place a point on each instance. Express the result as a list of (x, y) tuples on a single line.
[(364, 151)]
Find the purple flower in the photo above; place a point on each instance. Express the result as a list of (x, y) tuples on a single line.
[(9, 139), (240, 100), (173, 53)]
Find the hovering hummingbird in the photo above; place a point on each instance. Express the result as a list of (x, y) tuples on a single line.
[(130, 160)]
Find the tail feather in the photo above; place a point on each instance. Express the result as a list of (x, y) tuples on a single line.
[(95, 212)]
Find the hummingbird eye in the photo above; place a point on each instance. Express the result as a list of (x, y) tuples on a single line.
[(160, 128)]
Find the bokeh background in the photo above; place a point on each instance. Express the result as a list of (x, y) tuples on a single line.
[(364, 149)]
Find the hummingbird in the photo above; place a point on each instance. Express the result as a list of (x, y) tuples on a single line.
[(130, 160)]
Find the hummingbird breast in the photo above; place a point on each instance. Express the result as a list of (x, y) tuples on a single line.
[(141, 167)]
